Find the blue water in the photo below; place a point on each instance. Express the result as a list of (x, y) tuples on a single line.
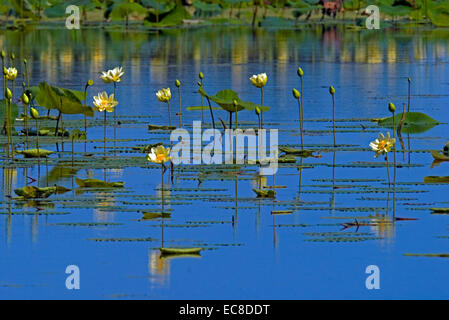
[(261, 260)]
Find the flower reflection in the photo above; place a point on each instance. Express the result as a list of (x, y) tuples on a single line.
[(158, 268)]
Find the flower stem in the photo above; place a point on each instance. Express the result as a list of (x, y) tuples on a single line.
[(169, 117), (333, 119), (180, 115), (300, 124), (261, 104)]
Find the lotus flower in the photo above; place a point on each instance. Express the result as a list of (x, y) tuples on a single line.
[(164, 95), (382, 144), (114, 75), (104, 103), (259, 80), (159, 155), (11, 74)]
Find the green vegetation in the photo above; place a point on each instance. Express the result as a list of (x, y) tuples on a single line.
[(169, 13)]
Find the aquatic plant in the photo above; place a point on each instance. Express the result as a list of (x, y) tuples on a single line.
[(297, 96), (332, 92), (178, 85), (381, 146), (160, 155), (105, 103), (89, 83), (259, 81), (164, 95)]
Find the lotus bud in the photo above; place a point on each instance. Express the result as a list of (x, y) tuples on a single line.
[(258, 111), (25, 61), (178, 83), (3, 54), (13, 56), (296, 93), (8, 94), (392, 107), (300, 72), (236, 104), (331, 90), (5, 71), (409, 80), (90, 82), (201, 75), (23, 85), (199, 83), (25, 98), (34, 113)]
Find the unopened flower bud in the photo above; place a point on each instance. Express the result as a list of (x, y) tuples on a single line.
[(34, 113), (178, 83), (300, 72), (296, 93), (8, 94), (331, 90), (90, 82), (392, 107), (25, 98), (201, 75)]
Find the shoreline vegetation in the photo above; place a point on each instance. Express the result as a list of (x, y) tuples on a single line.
[(160, 14)]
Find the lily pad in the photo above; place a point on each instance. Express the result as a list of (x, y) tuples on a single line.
[(157, 127), (414, 122), (35, 153), (95, 183), (155, 215), (436, 179), (437, 155), (32, 192), (180, 250), (265, 193)]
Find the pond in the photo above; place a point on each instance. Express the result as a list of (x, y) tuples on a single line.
[(340, 215)]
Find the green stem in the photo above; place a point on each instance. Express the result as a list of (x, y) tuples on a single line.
[(300, 125), (180, 115), (333, 119), (261, 104)]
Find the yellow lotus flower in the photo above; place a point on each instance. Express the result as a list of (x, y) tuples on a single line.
[(382, 144), (259, 80), (114, 75), (104, 103), (164, 95), (159, 155), (11, 73)]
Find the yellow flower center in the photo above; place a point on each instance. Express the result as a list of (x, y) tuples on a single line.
[(382, 144)]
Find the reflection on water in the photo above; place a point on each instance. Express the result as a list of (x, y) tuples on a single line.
[(158, 268), (61, 55)]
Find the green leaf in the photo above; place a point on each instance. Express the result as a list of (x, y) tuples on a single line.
[(414, 122), (64, 100), (180, 250), (95, 183), (13, 115), (225, 99), (35, 153)]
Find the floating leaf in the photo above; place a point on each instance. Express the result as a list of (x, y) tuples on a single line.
[(95, 183), (157, 127), (35, 153), (428, 255), (155, 215), (436, 179), (440, 210), (180, 250), (32, 192), (265, 193), (439, 156), (414, 122)]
